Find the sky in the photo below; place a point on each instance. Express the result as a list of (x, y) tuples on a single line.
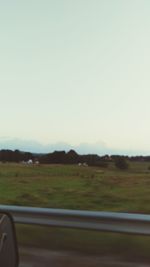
[(76, 72)]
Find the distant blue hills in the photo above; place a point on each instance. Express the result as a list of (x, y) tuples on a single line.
[(33, 146)]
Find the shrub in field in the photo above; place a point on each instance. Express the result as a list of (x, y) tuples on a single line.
[(121, 163)]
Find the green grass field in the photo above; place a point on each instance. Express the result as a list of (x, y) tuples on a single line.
[(74, 187), (85, 188)]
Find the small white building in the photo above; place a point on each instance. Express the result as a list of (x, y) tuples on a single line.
[(30, 161)]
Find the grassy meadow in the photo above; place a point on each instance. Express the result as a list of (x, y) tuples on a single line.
[(77, 187), (85, 188)]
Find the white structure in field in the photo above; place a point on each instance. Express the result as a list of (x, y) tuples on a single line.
[(30, 161), (83, 164)]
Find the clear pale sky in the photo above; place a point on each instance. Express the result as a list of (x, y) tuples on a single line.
[(76, 71)]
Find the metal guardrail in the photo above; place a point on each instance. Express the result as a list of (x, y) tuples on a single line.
[(88, 220)]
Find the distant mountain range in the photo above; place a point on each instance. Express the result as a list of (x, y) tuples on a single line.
[(99, 148), (37, 147)]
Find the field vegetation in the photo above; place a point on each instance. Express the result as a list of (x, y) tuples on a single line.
[(84, 188), (77, 187)]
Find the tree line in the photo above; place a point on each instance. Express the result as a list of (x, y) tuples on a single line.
[(56, 157), (71, 157)]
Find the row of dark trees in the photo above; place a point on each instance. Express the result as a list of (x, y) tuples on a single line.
[(71, 157), (57, 157), (7, 155)]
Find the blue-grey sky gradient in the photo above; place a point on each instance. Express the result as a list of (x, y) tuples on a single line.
[(76, 71)]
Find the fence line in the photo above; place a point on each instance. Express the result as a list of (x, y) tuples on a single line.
[(88, 220)]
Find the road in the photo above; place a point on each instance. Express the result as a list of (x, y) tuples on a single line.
[(31, 257)]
